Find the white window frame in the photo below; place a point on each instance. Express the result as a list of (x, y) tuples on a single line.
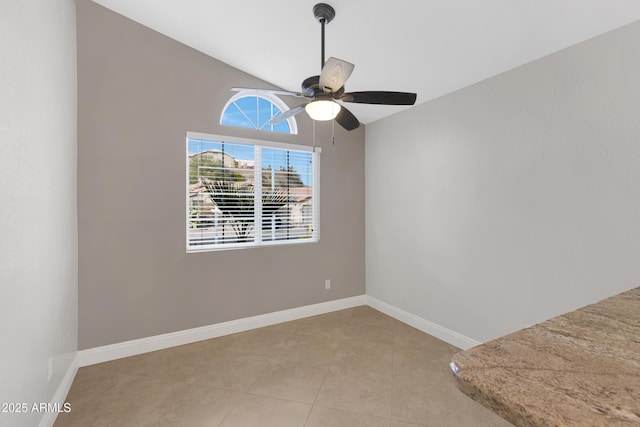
[(258, 242), (277, 102)]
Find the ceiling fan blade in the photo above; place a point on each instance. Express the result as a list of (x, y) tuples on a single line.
[(346, 119), (380, 97), (271, 91), (289, 113), (334, 73)]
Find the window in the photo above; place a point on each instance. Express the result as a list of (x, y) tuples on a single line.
[(245, 193), (250, 110)]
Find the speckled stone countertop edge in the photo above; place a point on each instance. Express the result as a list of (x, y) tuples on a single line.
[(618, 316)]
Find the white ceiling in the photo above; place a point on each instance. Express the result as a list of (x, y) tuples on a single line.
[(425, 46)]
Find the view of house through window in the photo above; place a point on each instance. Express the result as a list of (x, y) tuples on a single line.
[(251, 110), (249, 193)]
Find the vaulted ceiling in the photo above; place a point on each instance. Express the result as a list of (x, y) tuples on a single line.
[(425, 46)]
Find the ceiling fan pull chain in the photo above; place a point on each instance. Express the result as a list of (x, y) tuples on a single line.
[(333, 132), (314, 135)]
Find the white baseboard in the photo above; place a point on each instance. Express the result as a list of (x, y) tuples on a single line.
[(61, 393), (106, 353), (158, 342), (424, 325)]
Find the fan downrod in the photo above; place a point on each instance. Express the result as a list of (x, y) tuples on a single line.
[(323, 13)]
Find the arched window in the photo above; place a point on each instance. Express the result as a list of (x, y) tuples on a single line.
[(253, 110)]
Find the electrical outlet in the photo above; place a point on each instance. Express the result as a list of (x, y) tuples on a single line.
[(327, 284), (50, 371)]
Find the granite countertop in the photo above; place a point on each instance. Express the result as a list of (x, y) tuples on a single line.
[(578, 369)]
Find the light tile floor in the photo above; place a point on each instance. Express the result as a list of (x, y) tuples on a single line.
[(355, 367)]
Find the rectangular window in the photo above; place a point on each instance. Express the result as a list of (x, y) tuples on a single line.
[(246, 193)]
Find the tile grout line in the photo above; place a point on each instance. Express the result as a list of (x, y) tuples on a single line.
[(326, 373), (244, 393), (393, 373)]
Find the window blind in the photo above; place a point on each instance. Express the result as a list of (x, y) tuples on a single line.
[(244, 193)]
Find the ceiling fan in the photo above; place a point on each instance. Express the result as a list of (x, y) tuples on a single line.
[(327, 88)]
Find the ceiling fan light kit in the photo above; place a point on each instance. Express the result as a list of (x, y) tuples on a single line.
[(322, 109), (327, 88)]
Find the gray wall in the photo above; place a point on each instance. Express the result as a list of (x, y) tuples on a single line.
[(138, 94), (38, 237), (512, 200)]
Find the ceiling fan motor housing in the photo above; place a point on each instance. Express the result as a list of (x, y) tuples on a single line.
[(311, 86)]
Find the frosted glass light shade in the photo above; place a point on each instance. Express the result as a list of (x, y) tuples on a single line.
[(322, 109)]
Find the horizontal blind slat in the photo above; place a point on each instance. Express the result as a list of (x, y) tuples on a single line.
[(221, 194)]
